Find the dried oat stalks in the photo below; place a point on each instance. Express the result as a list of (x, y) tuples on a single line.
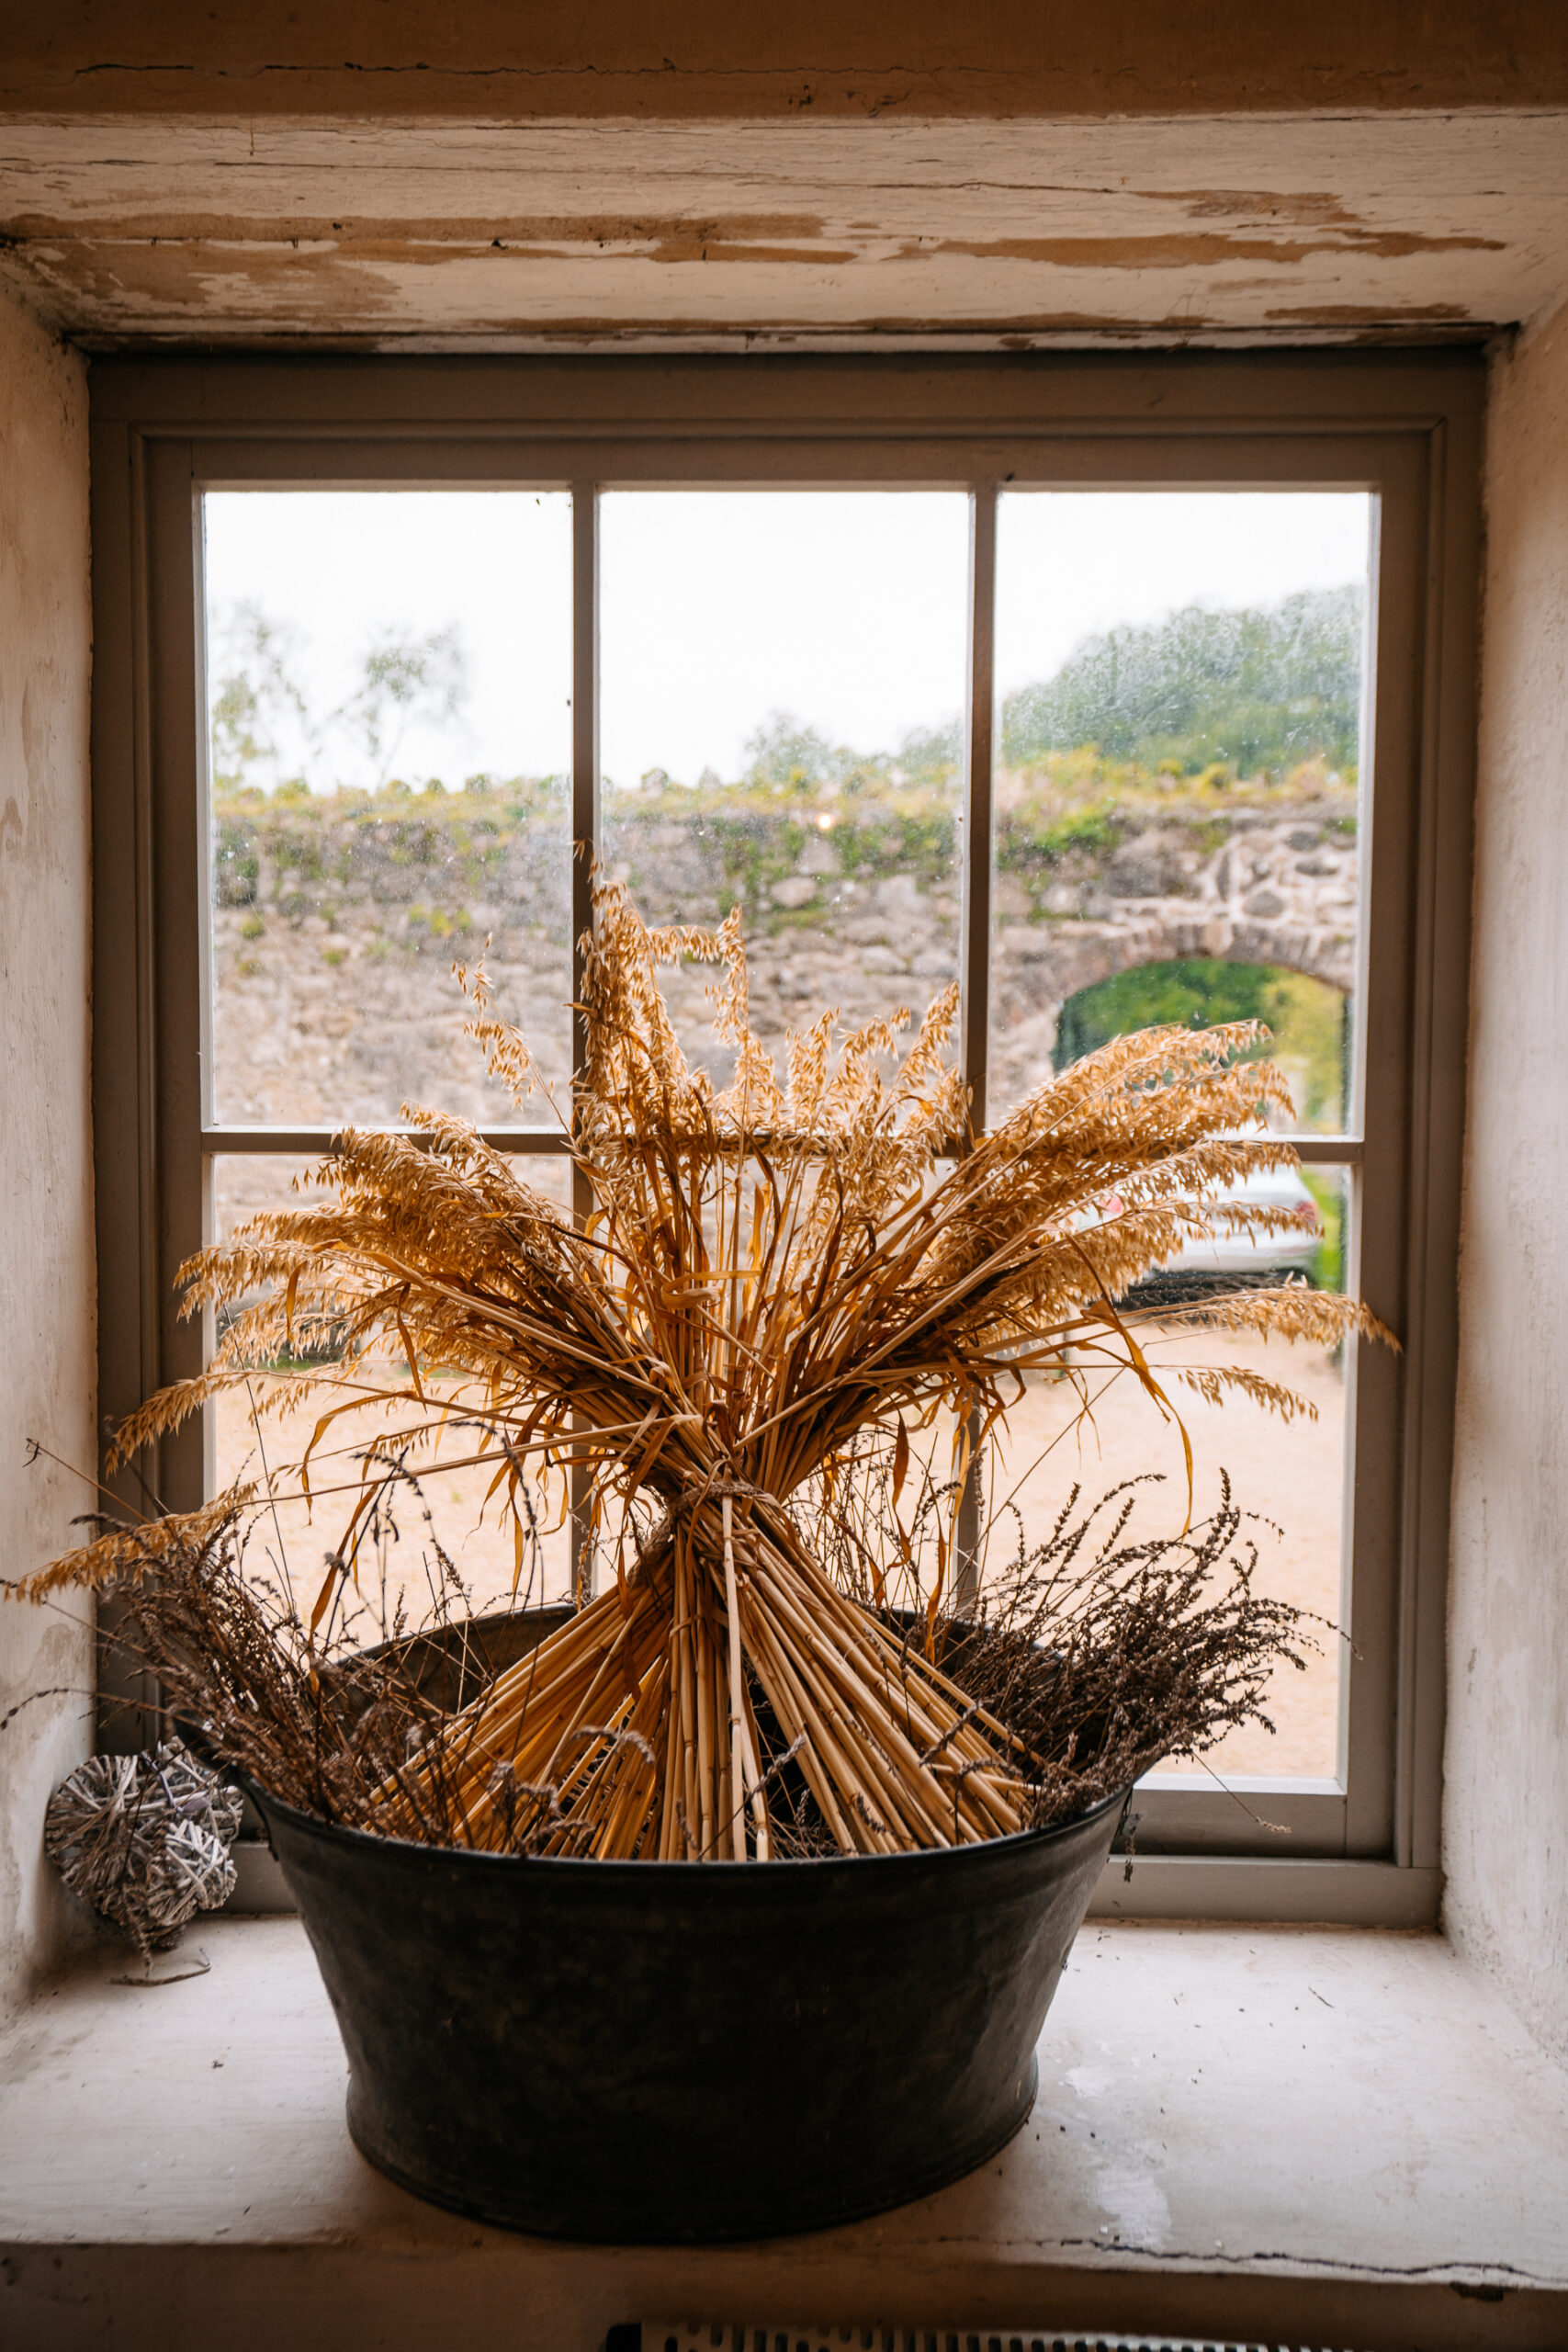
[(776, 1279)]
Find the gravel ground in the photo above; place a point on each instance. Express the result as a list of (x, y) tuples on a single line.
[(1290, 1477)]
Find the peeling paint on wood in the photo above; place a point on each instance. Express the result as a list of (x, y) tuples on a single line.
[(1065, 232)]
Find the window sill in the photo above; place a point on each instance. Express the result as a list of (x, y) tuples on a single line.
[(1323, 2131)]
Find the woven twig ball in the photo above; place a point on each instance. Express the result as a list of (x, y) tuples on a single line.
[(145, 1839)]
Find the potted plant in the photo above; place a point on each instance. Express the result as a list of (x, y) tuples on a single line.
[(734, 1902)]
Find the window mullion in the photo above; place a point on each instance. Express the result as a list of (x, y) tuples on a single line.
[(585, 839), (975, 957), (975, 951), (585, 826)]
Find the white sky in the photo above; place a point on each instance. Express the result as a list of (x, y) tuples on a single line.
[(846, 608), (1073, 563), (338, 567)]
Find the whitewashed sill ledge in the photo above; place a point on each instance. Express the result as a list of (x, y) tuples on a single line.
[(1336, 2135)]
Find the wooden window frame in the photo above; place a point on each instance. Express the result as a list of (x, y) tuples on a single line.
[(1405, 425)]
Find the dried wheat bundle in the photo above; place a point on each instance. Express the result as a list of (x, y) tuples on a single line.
[(775, 1278)]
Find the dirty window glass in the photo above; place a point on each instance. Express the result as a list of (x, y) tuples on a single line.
[(388, 678), (1178, 792), (1177, 837), (783, 679)]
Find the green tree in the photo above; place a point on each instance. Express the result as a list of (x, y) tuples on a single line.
[(255, 701), (1307, 1019), (1197, 993), (402, 680), (263, 723), (786, 756), (932, 755), (1260, 688)]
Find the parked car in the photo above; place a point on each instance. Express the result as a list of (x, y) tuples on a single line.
[(1226, 1259), (1260, 1255)]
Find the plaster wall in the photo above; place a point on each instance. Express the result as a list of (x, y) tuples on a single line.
[(49, 1376), (1507, 1781)]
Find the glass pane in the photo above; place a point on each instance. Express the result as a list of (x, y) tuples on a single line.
[(390, 682), (293, 1545), (1290, 1478), (784, 676), (1176, 836)]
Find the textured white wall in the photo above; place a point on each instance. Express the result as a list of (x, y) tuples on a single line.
[(1505, 1823), (47, 1373)]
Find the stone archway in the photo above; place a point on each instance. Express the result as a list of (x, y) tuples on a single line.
[(1281, 892)]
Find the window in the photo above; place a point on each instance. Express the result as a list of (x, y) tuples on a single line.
[(1118, 692)]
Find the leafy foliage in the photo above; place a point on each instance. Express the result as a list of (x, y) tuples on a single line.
[(1304, 1018), (266, 729), (1256, 689)]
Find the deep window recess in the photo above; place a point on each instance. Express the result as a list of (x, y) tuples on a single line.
[(968, 674)]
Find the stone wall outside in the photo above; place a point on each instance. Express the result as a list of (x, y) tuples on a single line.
[(337, 921)]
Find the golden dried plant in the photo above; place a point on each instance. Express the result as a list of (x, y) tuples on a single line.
[(773, 1278)]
